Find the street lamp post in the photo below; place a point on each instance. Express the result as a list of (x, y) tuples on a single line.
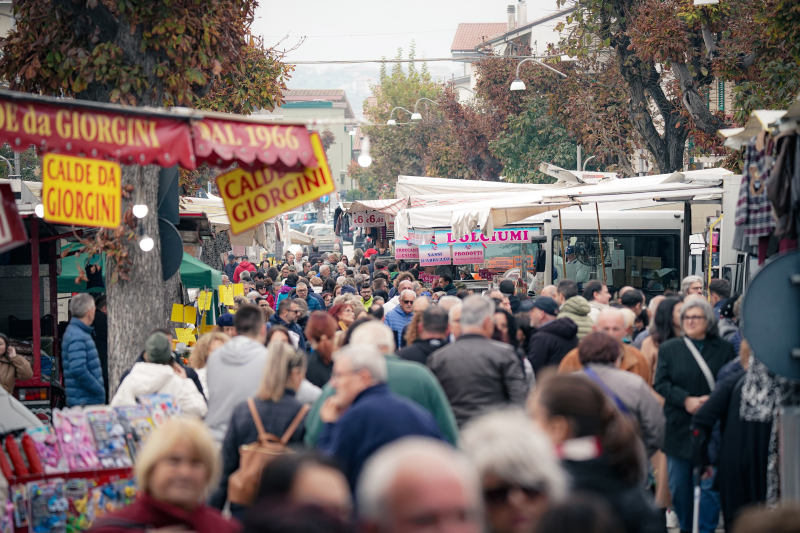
[(519, 85), (417, 115), (393, 122)]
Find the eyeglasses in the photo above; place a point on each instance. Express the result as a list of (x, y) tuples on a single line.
[(694, 318), (263, 305), (407, 301), (500, 495)]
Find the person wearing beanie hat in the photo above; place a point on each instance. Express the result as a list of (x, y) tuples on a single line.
[(554, 337), (230, 266), (160, 374)]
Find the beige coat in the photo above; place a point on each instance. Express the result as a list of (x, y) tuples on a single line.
[(12, 370)]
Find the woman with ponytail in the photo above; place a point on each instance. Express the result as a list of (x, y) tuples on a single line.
[(319, 331), (598, 446)]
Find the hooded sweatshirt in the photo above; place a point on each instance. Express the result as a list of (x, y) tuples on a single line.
[(551, 342), (243, 266), (283, 293), (577, 309), (151, 378), (235, 372)]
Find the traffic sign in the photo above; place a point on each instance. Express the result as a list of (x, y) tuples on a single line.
[(324, 198)]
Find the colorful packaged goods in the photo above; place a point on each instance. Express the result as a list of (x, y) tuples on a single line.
[(75, 439), (162, 407), (6, 517), (135, 419), (77, 492), (5, 465), (19, 501), (109, 437), (47, 507), (45, 444), (12, 449), (111, 497)]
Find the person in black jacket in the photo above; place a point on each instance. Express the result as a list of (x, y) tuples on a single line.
[(598, 446), (553, 338), (742, 465), (508, 288), (277, 409), (433, 335), (100, 326), (685, 383)]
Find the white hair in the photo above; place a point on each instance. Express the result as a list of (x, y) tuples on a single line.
[(701, 303), (447, 302), (364, 357), (509, 445), (325, 267), (688, 280), (224, 276), (614, 313), (408, 291), (451, 313), (81, 304), (653, 305), (475, 310), (411, 454), (376, 334)]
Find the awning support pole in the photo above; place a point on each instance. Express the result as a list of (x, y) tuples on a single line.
[(563, 250), (36, 314), (600, 235)]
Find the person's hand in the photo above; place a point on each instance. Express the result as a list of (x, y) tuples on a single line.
[(11, 353), (708, 473), (331, 410), (179, 370), (692, 404)]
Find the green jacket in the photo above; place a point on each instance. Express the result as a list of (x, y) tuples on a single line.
[(577, 309), (406, 378)]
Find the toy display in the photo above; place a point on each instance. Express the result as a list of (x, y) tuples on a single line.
[(111, 497), (75, 439), (109, 436), (77, 492), (47, 506), (162, 407), (19, 502), (45, 444), (7, 517), (135, 419)]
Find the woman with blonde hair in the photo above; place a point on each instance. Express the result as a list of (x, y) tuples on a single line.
[(174, 471), (205, 345), (278, 411)]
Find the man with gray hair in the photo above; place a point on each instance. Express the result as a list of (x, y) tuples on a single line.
[(477, 373), (83, 373), (692, 286), (364, 414), (413, 483), (400, 317)]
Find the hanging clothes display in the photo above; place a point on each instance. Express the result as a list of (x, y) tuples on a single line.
[(783, 188), (753, 209)]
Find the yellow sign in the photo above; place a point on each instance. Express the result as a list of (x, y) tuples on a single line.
[(252, 198), (183, 313), (185, 335), (81, 192), (205, 328), (226, 295), (238, 289), (204, 300)]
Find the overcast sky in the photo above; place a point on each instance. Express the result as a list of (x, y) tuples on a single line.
[(371, 29)]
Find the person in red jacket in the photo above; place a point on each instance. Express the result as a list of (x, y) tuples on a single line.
[(245, 265)]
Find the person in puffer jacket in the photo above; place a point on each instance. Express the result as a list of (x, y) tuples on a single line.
[(244, 266), (83, 374), (577, 309), (159, 374)]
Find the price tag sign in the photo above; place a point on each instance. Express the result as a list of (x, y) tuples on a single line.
[(368, 219)]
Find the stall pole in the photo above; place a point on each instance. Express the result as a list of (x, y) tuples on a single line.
[(563, 250), (54, 295), (710, 248), (35, 296), (600, 236)]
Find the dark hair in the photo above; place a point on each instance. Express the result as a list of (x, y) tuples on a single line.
[(591, 288), (365, 285), (582, 512), (435, 320), (272, 273), (590, 413), (292, 279), (507, 286), (720, 287), (644, 317), (279, 475), (320, 328), (663, 328), (568, 288), (512, 328), (260, 285), (101, 301), (380, 265), (414, 272), (365, 262), (283, 516), (329, 285), (448, 279), (523, 321), (463, 293), (284, 305), (8, 343), (392, 267), (378, 283), (276, 329), (599, 347), (248, 320), (631, 298), (376, 310)]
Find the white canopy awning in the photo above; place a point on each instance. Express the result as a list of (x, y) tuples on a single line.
[(388, 207), (417, 185), (297, 237)]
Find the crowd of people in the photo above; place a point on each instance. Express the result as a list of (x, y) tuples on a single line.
[(382, 405)]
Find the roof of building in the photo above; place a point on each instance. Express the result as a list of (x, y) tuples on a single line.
[(469, 35), (337, 96)]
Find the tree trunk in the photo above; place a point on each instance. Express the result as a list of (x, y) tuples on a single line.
[(135, 307), (173, 294), (694, 103)]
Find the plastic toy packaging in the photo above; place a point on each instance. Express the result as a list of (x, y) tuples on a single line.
[(77, 492), (75, 439), (111, 497), (48, 506), (109, 436), (45, 444), (7, 517), (136, 421), (19, 503), (162, 407)]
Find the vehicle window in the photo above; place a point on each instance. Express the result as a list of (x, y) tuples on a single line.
[(318, 232), (647, 261)]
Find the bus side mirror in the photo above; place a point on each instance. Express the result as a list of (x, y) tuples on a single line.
[(541, 239), (541, 261)]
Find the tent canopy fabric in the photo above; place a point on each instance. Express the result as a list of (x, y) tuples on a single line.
[(388, 207), (298, 237), (417, 185)]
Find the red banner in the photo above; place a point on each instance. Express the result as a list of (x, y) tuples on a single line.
[(99, 131), (220, 141), (12, 230)]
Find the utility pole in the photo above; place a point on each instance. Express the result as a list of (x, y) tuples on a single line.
[(16, 165)]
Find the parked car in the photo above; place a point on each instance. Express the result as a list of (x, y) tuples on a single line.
[(301, 219), (324, 238)]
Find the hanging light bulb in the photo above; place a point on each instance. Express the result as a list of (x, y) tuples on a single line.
[(364, 159), (39, 210), (140, 210), (146, 243)]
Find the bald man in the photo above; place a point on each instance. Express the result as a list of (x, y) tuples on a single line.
[(612, 321), (551, 291)]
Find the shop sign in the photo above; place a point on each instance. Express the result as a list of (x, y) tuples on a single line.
[(252, 198), (504, 236), (434, 254), (429, 278), (420, 236), (81, 192), (219, 140), (12, 230), (467, 253), (129, 137), (368, 219), (404, 250)]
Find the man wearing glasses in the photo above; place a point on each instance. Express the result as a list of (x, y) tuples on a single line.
[(301, 292), (287, 315), (399, 317)]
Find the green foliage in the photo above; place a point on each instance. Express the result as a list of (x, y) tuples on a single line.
[(29, 163), (533, 137)]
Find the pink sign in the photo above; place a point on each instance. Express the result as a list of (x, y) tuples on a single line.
[(403, 250), (467, 253), (428, 278), (510, 235), (434, 254)]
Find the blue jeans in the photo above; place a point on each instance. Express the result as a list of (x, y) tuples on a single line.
[(681, 485)]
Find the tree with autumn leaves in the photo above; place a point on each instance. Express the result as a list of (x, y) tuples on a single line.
[(194, 53)]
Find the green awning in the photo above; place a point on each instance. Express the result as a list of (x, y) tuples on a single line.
[(197, 275)]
